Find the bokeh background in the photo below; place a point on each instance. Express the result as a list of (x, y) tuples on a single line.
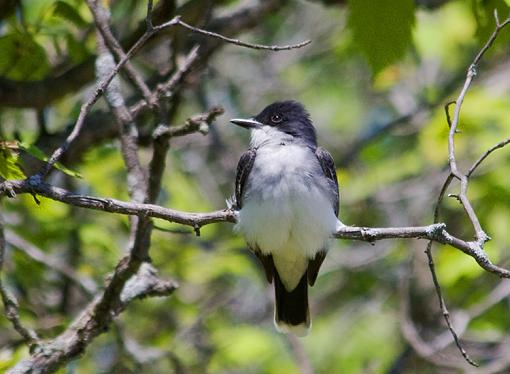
[(375, 79)]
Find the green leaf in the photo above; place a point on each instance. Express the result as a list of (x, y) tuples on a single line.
[(382, 30), (35, 151), (69, 13), (22, 58), (9, 168)]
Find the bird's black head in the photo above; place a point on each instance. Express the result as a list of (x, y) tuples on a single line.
[(289, 117)]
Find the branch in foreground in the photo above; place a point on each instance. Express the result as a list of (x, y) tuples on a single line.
[(34, 185), (435, 232)]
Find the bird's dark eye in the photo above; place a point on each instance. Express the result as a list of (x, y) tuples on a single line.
[(276, 118)]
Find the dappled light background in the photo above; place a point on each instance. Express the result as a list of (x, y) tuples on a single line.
[(375, 80)]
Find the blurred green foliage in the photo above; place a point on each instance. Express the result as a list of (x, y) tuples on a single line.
[(382, 29), (370, 62)]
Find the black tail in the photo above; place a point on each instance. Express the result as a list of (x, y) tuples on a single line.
[(291, 308)]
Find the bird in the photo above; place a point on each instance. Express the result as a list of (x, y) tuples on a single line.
[(286, 201)]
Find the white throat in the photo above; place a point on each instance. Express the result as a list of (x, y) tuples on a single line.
[(268, 135)]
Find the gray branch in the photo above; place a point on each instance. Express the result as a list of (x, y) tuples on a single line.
[(436, 232), (475, 248), (73, 341)]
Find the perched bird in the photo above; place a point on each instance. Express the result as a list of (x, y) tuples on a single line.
[(286, 194)]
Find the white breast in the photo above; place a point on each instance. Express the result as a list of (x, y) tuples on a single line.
[(287, 208)]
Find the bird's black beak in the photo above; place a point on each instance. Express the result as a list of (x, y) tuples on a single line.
[(247, 123)]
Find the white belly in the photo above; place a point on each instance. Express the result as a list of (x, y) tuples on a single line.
[(286, 212)]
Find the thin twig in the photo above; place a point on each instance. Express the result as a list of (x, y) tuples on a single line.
[(481, 236), (492, 38), (197, 123), (151, 30), (148, 18), (410, 331), (87, 106), (444, 309), (102, 20), (167, 89), (240, 42), (160, 135), (485, 155)]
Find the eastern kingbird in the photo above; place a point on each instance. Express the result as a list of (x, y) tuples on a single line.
[(286, 194)]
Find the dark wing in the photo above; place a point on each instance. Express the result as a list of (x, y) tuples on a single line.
[(329, 170), (314, 266), (266, 262), (244, 167)]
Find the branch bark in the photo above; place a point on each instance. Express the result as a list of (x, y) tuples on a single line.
[(436, 232), (475, 248)]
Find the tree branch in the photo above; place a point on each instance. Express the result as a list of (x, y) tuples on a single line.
[(166, 89), (101, 20), (151, 30), (86, 326), (128, 132), (146, 283), (240, 42), (87, 106), (9, 300), (485, 155), (475, 248), (436, 232), (481, 236), (39, 94), (197, 123)]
